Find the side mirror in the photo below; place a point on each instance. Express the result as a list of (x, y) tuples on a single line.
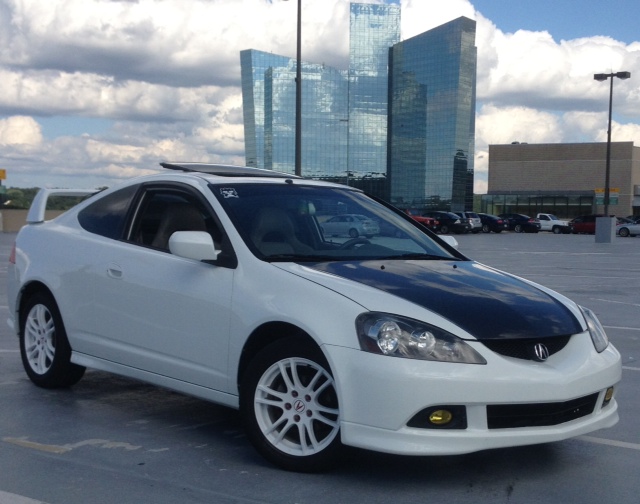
[(196, 245)]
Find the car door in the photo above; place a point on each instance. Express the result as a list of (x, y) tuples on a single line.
[(157, 312)]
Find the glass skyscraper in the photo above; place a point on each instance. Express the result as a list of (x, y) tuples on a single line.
[(373, 30), (268, 94), (399, 122), (432, 118), (253, 67)]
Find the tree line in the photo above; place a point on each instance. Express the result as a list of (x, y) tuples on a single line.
[(21, 198)]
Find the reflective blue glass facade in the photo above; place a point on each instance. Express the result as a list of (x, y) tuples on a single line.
[(268, 91), (253, 66), (398, 123), (432, 119), (373, 30)]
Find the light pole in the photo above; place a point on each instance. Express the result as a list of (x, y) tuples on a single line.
[(604, 77), (298, 159)]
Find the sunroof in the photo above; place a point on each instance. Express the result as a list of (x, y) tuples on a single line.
[(225, 170)]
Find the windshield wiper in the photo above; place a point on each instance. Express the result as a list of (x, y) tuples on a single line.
[(299, 258), (417, 255)]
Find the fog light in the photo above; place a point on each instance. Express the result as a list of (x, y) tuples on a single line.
[(440, 417), (608, 395)]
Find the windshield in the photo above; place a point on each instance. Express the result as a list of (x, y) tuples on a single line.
[(295, 222)]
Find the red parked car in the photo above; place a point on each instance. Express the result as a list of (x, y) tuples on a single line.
[(584, 224), (429, 222)]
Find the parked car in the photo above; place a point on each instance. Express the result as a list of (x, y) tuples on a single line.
[(473, 219), (449, 222), (492, 223), (429, 222), (521, 223), (549, 222), (625, 229), (584, 224), (216, 281), (352, 225)]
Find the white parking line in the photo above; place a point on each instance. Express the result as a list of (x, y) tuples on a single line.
[(9, 498), (611, 442), (622, 328), (629, 368), (615, 302)]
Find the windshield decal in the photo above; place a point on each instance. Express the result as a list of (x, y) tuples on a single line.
[(228, 192)]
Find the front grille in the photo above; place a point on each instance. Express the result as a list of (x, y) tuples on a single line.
[(510, 416), (523, 348)]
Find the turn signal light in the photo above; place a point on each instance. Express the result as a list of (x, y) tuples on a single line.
[(608, 395)]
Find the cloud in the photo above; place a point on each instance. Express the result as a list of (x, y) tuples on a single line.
[(165, 75), (532, 69), (20, 132)]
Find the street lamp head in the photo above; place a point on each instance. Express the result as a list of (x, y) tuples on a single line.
[(619, 75)]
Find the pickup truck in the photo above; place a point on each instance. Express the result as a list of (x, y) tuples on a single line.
[(549, 222)]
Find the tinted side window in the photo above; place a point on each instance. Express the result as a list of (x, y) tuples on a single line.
[(165, 211), (107, 216)]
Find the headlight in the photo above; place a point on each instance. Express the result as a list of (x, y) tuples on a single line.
[(387, 334), (598, 336)]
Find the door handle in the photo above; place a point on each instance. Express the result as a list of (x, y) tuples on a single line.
[(114, 271)]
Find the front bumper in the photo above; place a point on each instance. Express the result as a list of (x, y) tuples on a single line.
[(379, 396)]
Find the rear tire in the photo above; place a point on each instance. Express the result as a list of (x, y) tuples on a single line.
[(518, 228), (44, 347), (289, 406), (624, 232)]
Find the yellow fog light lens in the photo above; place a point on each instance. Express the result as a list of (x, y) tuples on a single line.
[(608, 395), (440, 417)]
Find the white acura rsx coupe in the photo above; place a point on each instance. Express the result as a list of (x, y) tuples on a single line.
[(219, 282)]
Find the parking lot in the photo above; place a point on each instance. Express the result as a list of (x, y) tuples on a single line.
[(113, 440)]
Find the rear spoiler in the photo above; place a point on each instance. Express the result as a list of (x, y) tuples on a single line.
[(39, 205)]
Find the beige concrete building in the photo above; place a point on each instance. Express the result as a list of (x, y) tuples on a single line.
[(565, 179)]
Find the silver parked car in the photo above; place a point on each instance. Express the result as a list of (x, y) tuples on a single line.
[(352, 225), (473, 219)]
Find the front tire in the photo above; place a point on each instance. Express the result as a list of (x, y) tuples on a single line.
[(44, 347), (518, 228), (289, 406)]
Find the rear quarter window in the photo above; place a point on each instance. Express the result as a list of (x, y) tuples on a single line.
[(107, 216)]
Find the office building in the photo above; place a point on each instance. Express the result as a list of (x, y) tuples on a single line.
[(373, 29), (432, 119), (563, 179), (416, 150)]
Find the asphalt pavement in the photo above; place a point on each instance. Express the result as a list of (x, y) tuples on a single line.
[(110, 440)]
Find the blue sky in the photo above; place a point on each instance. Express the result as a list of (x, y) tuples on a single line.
[(566, 19)]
